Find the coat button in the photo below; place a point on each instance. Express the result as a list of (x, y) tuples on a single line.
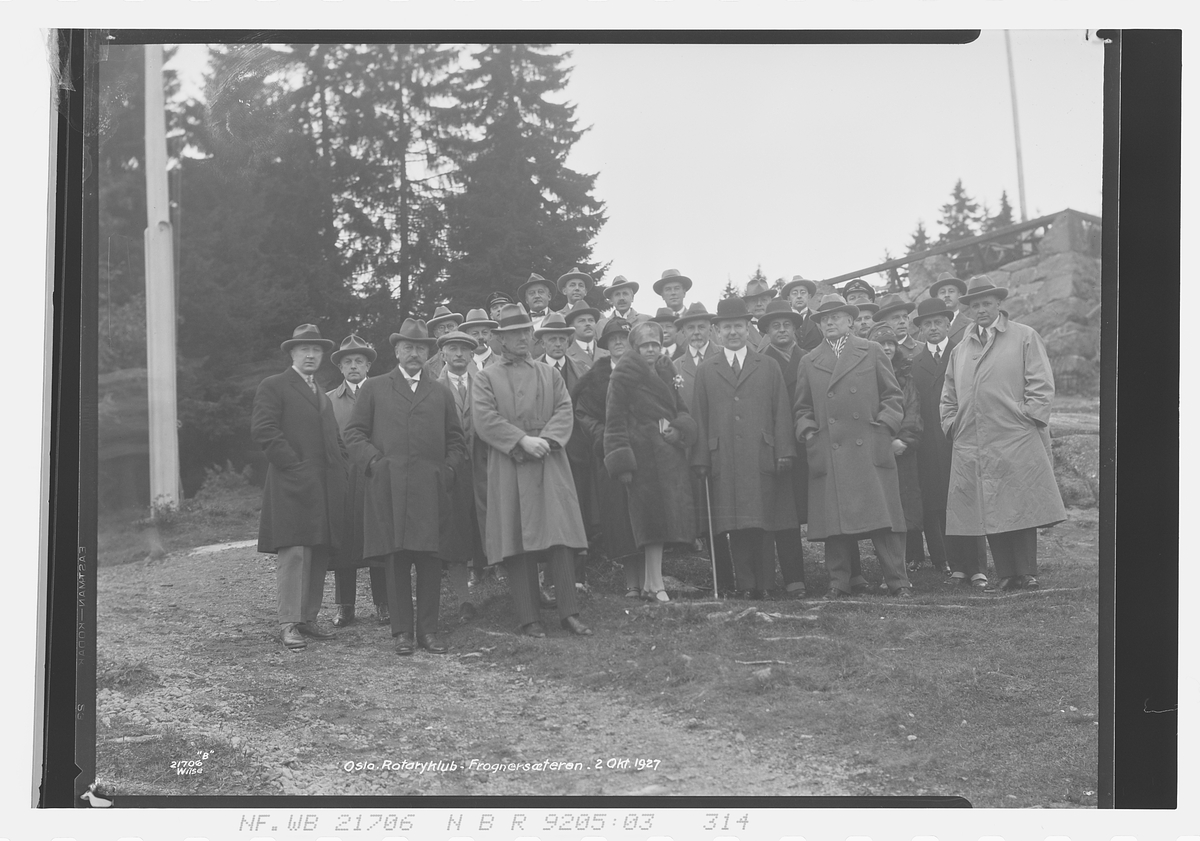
[(835, 446), (736, 399), (859, 442), (737, 417), (856, 415), (833, 420), (853, 389), (976, 356), (830, 394)]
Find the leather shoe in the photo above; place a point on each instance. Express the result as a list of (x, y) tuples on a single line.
[(345, 616), (546, 600), (432, 644), (575, 626), (834, 594), (381, 613), (533, 629), (292, 637), (404, 644), (313, 630)]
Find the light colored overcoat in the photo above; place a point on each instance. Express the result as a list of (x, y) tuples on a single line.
[(996, 411), (855, 405), (532, 504), (687, 369)]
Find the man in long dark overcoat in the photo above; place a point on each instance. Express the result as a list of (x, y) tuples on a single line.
[(849, 408), (744, 446), (780, 324), (964, 557), (405, 430), (353, 359), (304, 498), (522, 410), (949, 289)]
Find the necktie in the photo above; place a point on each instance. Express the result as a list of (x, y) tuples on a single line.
[(737, 368), (311, 384), (937, 356), (462, 389)]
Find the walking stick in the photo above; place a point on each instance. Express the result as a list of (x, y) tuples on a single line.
[(712, 543)]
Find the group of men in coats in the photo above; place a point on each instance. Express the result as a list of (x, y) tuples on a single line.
[(468, 453)]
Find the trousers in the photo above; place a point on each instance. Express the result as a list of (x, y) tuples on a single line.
[(790, 549), (523, 582), (345, 585), (1014, 552), (889, 549), (753, 565), (967, 555), (398, 568), (300, 582)]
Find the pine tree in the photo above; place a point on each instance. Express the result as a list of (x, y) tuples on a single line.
[(519, 208), (1003, 217), (730, 291), (920, 239), (960, 217), (758, 275)]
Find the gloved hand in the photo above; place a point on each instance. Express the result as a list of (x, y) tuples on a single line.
[(783, 465), (625, 478)]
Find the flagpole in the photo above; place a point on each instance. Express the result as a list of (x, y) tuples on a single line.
[(1012, 88)]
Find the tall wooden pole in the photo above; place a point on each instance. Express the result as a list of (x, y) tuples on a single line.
[(1012, 87), (160, 297)]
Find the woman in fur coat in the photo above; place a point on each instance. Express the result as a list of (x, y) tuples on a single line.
[(645, 447), (905, 445)]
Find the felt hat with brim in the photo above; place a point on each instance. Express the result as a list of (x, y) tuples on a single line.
[(882, 333), (666, 315), (611, 328), (729, 309), (867, 307), (513, 317), (758, 289), (306, 334), (496, 298), (353, 344), (981, 285), (696, 312), (930, 307), (534, 280), (798, 281), (573, 275), (571, 315), (619, 282), (835, 303), (858, 285), (554, 325), (671, 275), (441, 315), (477, 318), (457, 336), (779, 308), (891, 304), (413, 330), (947, 279)]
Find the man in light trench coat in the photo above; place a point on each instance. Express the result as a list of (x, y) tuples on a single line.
[(996, 412), (848, 410)]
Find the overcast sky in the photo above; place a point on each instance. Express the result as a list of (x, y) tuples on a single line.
[(813, 160)]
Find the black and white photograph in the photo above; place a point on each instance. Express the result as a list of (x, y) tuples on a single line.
[(643, 419)]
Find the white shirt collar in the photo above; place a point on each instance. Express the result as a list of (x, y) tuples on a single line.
[(410, 378), (587, 346), (699, 354), (351, 387), (454, 378), (940, 346), (308, 378), (740, 353)]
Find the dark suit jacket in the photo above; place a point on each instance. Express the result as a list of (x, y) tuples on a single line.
[(350, 556), (304, 499), (790, 368), (933, 455)]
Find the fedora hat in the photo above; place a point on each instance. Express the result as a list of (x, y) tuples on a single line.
[(534, 280), (668, 276), (619, 282), (858, 285), (666, 315), (757, 289), (554, 325), (412, 330), (835, 303), (441, 315), (611, 328), (797, 281), (570, 315), (930, 307), (947, 278), (882, 333), (695, 312), (780, 308), (512, 317), (457, 336), (353, 344), (981, 285), (477, 318), (588, 283), (728, 309), (890, 304), (868, 307), (306, 334), (496, 297)]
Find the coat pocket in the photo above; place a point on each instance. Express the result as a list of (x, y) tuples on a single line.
[(817, 451), (766, 453), (884, 457)]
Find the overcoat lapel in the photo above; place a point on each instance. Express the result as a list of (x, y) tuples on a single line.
[(400, 385), (851, 356), (753, 360), (300, 385), (823, 359), (726, 371)]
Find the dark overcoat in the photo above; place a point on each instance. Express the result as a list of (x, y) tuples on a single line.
[(350, 556), (744, 426), (465, 537), (996, 410), (933, 454), (809, 335), (907, 471), (531, 503), (304, 499), (856, 407), (413, 450), (612, 498), (687, 369), (661, 506), (790, 368)]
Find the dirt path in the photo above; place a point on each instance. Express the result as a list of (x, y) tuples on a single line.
[(188, 648)]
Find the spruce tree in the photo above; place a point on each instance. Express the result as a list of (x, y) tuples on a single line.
[(730, 291), (920, 240), (518, 207), (960, 217), (1003, 217)]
